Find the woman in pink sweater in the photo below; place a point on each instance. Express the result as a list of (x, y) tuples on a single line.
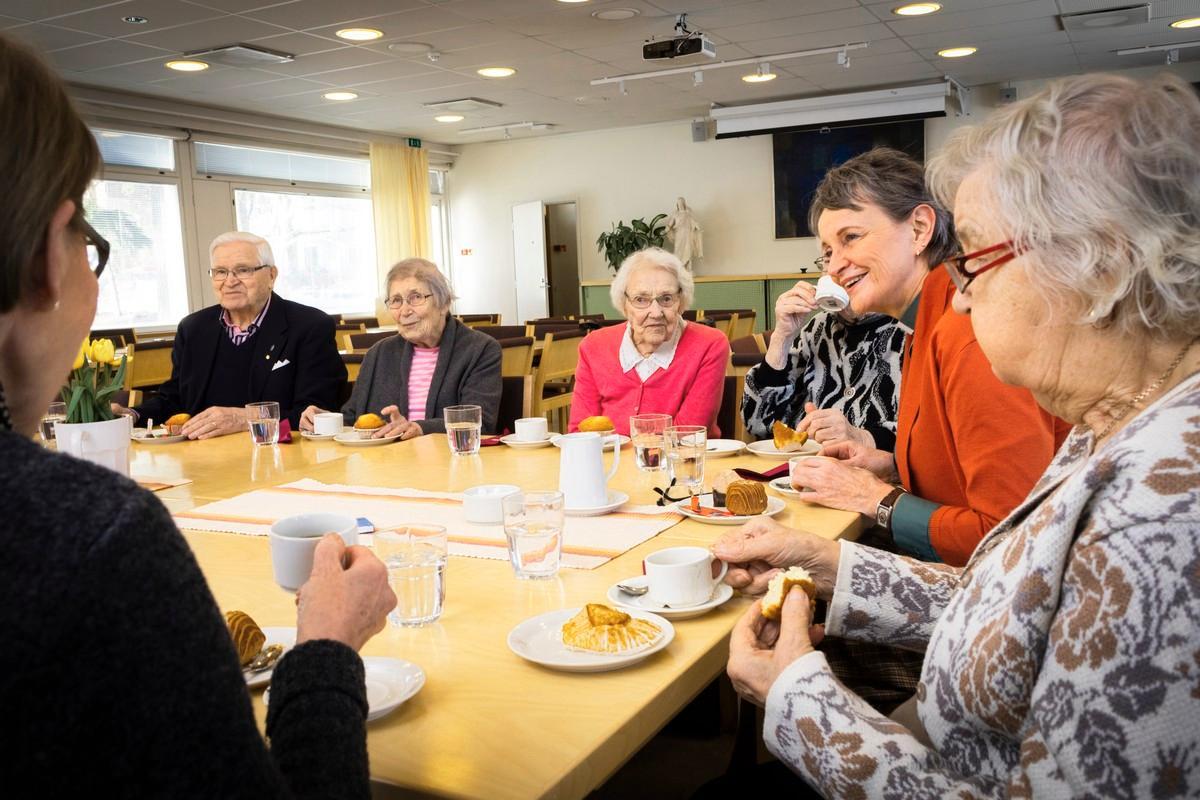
[(658, 363)]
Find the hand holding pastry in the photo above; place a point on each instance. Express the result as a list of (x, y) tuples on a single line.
[(346, 598), (397, 424), (760, 548), (760, 649), (828, 425)]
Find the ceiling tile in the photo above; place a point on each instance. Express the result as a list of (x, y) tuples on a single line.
[(306, 14), (946, 20), (985, 35), (729, 15), (799, 26), (298, 44), (107, 53), (338, 59), (518, 54), (109, 20), (50, 37), (208, 33), (237, 6), (47, 9)]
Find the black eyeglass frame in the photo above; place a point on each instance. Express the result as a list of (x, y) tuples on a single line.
[(233, 272), (94, 239), (396, 306)]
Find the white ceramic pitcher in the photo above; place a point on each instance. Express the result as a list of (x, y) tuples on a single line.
[(581, 476)]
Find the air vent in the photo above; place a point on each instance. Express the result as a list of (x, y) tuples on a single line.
[(1106, 18), (463, 105), (242, 55)]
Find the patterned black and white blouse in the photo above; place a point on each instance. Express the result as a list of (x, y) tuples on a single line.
[(853, 367)]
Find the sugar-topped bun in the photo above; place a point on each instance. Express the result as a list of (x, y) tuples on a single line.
[(368, 422), (781, 584), (248, 638)]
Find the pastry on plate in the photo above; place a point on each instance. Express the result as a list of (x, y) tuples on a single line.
[(781, 584), (600, 629), (367, 424), (595, 425), (746, 498), (787, 440), (174, 425), (248, 638)]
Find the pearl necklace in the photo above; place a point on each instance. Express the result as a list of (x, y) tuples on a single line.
[(1128, 406)]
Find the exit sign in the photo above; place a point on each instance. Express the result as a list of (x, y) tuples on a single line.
[(414, 142)]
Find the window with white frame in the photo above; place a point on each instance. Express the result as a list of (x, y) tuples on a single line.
[(439, 220)]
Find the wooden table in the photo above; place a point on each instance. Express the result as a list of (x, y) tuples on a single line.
[(486, 723)]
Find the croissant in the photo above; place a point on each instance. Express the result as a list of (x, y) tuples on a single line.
[(786, 439), (175, 423), (600, 629), (781, 584), (248, 638), (746, 498)]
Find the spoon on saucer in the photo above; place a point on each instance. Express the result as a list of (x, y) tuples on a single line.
[(636, 591)]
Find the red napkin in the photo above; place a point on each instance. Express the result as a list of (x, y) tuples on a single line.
[(285, 432), (769, 475), (492, 441)]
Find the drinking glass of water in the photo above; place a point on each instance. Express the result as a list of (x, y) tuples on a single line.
[(57, 412), (646, 430), (685, 454), (533, 524), (463, 424), (415, 557), (264, 422)]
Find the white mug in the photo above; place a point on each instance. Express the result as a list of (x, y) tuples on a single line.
[(581, 476), (294, 540), (830, 295), (682, 576), (486, 503), (530, 429), (328, 423)]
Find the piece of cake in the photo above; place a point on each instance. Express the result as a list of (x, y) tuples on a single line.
[(720, 484), (781, 584), (174, 425), (595, 425), (787, 440), (600, 629), (248, 638), (746, 498)]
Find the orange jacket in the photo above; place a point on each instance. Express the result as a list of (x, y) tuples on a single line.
[(964, 440)]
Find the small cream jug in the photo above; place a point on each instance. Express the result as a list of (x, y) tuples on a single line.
[(581, 476)]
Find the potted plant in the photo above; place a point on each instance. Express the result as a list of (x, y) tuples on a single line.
[(91, 431), (625, 239)]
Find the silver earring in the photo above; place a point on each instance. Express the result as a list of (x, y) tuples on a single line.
[(56, 305)]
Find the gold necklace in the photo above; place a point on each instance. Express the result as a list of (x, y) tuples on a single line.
[(1128, 406)]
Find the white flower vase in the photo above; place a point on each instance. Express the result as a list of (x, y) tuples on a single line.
[(105, 443)]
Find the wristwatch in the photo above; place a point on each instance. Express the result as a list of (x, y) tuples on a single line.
[(883, 512)]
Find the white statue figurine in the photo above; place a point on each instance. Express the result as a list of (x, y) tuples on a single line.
[(684, 233)]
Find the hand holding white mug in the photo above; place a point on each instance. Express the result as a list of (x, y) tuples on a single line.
[(791, 309)]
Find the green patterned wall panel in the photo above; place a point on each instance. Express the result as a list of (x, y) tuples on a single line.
[(776, 287), (733, 294), (596, 301)]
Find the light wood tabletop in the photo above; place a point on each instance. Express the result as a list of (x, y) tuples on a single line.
[(487, 724)]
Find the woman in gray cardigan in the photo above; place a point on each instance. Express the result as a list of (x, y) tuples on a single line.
[(435, 362)]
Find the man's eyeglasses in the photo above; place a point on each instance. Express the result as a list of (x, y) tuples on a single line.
[(957, 265), (98, 247), (643, 301), (220, 274), (414, 300)]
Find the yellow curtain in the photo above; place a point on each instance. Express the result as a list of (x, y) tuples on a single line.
[(400, 201)]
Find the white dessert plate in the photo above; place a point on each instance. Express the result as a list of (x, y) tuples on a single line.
[(609, 440), (774, 506), (525, 444), (615, 500), (390, 681), (784, 486), (539, 639), (722, 448), (283, 636), (144, 439), (352, 440), (642, 602), (321, 437), (766, 449)]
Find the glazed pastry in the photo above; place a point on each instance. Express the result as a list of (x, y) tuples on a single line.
[(368, 422), (746, 498), (248, 638), (786, 439), (781, 584), (720, 484), (600, 629), (595, 425), (174, 425)]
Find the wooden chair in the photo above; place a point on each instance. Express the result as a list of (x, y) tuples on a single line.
[(149, 363), (120, 336), (722, 321), (538, 330), (502, 331), (560, 357), (366, 321), (516, 401), (744, 325), (363, 340), (751, 344), (693, 314), (516, 356), (729, 417), (353, 362), (341, 329), (476, 320)]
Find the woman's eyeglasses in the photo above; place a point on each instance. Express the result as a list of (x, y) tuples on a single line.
[(414, 300), (98, 247), (643, 301), (957, 265)]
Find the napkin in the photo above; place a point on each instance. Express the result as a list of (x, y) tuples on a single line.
[(769, 475), (493, 441), (285, 432)]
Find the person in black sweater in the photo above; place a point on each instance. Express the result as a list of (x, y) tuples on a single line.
[(117, 674)]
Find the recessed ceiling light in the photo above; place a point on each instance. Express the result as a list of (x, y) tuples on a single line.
[(496, 72), (187, 65), (957, 52), (135, 20), (340, 95), (359, 34), (410, 48), (449, 117), (1190, 22), (615, 14), (761, 75), (917, 9)]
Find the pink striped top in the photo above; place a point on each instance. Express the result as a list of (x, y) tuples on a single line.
[(420, 375)]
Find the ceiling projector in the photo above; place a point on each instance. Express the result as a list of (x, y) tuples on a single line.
[(683, 43)]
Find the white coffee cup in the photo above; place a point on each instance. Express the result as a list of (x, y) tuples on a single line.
[(830, 295), (682, 576), (294, 540), (485, 503), (530, 429), (328, 423)]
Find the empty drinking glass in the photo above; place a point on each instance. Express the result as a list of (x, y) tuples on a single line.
[(415, 557), (463, 425), (57, 412), (533, 523), (685, 455), (646, 430), (264, 422)]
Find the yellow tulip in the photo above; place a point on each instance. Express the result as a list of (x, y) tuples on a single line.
[(83, 350), (103, 351)]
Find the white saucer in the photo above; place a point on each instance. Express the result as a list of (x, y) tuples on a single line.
[(630, 602), (766, 449), (390, 681), (179, 437), (283, 636), (539, 639), (615, 500), (722, 448), (352, 440), (774, 506), (609, 440), (321, 437), (784, 486), (520, 444)]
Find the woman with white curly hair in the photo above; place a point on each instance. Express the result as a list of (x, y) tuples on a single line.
[(1064, 659)]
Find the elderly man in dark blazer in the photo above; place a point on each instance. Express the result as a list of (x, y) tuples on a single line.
[(253, 346)]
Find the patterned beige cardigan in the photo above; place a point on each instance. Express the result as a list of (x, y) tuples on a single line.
[(1062, 661)]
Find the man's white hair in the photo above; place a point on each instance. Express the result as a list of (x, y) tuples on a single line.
[(265, 256)]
